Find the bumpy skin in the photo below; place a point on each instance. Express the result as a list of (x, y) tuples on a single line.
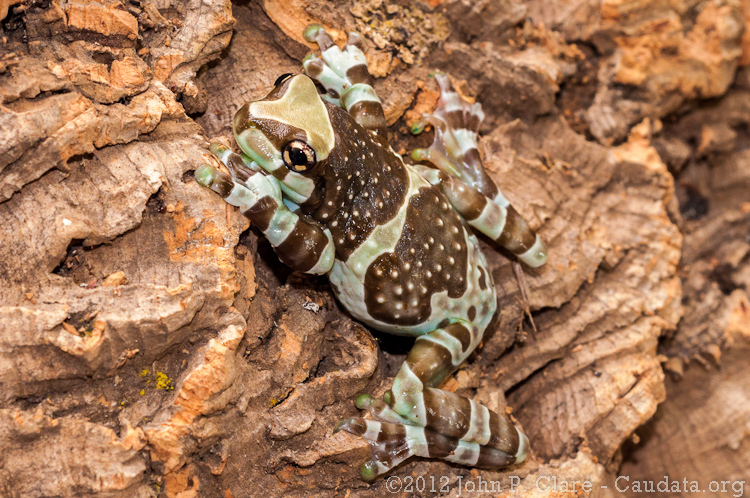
[(318, 178)]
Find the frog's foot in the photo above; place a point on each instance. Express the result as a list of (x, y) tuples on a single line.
[(392, 443), (240, 165), (344, 76), (394, 438), (454, 147)]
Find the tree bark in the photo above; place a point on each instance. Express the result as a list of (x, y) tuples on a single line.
[(152, 344)]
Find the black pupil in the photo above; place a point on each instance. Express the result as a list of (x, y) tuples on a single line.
[(297, 155)]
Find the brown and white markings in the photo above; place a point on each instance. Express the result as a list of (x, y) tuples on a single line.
[(316, 175)]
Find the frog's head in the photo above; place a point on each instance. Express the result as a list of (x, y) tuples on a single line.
[(288, 133)]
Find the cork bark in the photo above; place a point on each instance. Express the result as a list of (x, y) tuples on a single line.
[(151, 344)]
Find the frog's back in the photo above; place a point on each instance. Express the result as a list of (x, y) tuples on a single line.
[(418, 270)]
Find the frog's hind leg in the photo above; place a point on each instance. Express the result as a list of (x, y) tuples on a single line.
[(462, 177), (502, 224), (419, 419), (393, 443), (344, 76)]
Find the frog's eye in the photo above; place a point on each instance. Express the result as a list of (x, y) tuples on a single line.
[(298, 156), (281, 79)]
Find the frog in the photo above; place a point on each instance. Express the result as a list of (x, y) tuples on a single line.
[(397, 240)]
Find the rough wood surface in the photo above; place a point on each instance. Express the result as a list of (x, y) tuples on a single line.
[(151, 344)]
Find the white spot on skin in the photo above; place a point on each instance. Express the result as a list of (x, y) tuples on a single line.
[(410, 286), (438, 267), (380, 203), (399, 306), (411, 250), (399, 291), (381, 299), (455, 229), (379, 272), (452, 260), (439, 222), (352, 236), (330, 203), (429, 274), (394, 274), (407, 266), (423, 289), (325, 215), (419, 264), (432, 240), (67, 222), (442, 247), (335, 223), (355, 213)]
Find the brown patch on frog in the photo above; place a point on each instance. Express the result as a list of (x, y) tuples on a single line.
[(303, 247), (460, 332), (261, 212), (516, 236), (472, 313), (399, 285), (482, 278), (372, 180)]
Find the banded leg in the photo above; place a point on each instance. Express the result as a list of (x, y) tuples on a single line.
[(419, 419), (502, 224), (300, 245), (462, 177), (344, 76)]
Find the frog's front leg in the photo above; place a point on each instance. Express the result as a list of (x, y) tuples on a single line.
[(419, 419), (301, 245), (344, 76)]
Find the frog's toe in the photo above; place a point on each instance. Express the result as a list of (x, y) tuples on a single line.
[(454, 147), (380, 410)]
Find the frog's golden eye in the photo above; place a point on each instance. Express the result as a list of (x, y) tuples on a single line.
[(298, 156)]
